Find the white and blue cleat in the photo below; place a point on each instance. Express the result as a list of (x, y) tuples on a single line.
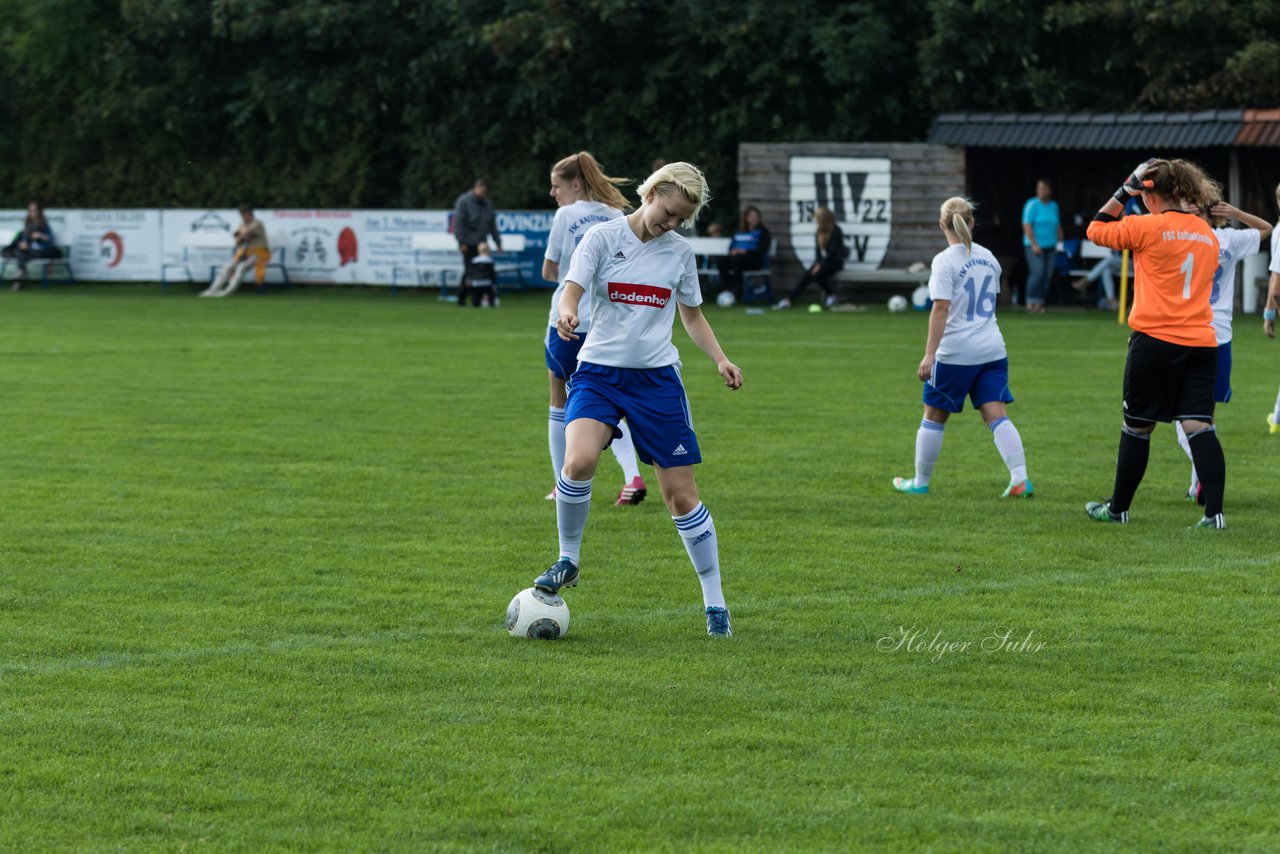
[(718, 624), (561, 574)]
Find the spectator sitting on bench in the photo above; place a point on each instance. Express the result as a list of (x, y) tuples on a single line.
[(829, 260), (251, 249), (1108, 268), (484, 282), (747, 250), (33, 242)]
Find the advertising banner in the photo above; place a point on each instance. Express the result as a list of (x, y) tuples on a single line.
[(102, 245), (364, 247)]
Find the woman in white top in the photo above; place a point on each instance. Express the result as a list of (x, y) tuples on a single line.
[(964, 354), (1233, 244), (635, 271), (587, 197)]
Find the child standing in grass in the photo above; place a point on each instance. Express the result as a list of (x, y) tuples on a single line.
[(484, 288), (964, 354), (637, 270)]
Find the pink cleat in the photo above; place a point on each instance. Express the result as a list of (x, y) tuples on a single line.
[(632, 493)]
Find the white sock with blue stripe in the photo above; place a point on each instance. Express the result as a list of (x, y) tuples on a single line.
[(555, 438), (624, 451), (573, 502), (699, 535), (928, 446), (1009, 444)]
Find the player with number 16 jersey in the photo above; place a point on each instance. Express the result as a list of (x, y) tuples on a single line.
[(964, 353)]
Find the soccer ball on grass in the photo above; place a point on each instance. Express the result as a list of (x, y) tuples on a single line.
[(920, 300), (538, 614), (726, 299), (897, 303)]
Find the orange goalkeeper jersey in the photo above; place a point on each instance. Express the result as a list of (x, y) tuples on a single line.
[(1174, 258)]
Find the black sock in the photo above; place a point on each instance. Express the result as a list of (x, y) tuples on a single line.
[(1131, 465), (1211, 466)]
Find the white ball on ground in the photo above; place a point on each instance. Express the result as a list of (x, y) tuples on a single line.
[(726, 299), (920, 298), (535, 613), (897, 303)]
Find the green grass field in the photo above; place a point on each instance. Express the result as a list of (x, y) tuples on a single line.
[(255, 555)]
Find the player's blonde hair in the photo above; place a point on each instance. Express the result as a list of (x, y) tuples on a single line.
[(683, 179), (957, 218), (1182, 182), (826, 222), (599, 186)]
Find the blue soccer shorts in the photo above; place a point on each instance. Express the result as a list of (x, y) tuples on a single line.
[(562, 356), (651, 399), (949, 384)]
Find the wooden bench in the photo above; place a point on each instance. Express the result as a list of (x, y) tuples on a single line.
[(757, 285), (885, 276), (437, 254), (706, 248)]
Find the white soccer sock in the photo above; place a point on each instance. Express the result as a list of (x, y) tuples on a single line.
[(1009, 444), (1186, 446), (573, 502), (1275, 416), (624, 451), (928, 446), (699, 535), (555, 439)]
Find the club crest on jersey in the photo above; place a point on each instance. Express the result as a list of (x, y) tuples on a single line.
[(639, 294), (857, 190)]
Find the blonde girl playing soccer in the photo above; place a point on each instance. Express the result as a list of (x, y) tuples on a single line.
[(636, 270), (964, 355)]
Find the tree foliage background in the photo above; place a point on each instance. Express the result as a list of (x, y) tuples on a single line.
[(400, 103)]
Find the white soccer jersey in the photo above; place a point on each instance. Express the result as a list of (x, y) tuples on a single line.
[(634, 288), (972, 283), (1233, 244), (569, 226), (1275, 249)]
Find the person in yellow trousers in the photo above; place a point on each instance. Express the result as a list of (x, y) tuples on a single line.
[(251, 250)]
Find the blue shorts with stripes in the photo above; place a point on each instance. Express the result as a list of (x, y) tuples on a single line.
[(651, 399), (985, 383)]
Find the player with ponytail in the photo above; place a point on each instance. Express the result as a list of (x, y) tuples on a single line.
[(1171, 368), (586, 197), (964, 354)]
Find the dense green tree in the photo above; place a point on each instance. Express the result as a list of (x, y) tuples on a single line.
[(402, 102)]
